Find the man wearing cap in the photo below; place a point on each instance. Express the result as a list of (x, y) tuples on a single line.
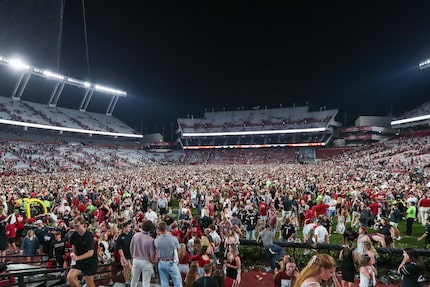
[(273, 251), (40, 231)]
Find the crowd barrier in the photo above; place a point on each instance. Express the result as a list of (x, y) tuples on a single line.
[(38, 275)]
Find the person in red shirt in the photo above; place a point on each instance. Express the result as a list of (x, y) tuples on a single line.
[(6, 280), (320, 209), (202, 258), (263, 210), (374, 211), (11, 236), (20, 224), (175, 231), (424, 209)]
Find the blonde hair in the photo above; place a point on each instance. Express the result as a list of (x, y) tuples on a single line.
[(205, 241), (192, 273), (314, 267), (182, 250)]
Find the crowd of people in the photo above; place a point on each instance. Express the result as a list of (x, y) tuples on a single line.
[(217, 207)]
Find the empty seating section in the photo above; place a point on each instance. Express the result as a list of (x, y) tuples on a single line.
[(30, 112), (251, 120), (421, 110)]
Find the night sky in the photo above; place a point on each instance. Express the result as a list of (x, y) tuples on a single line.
[(178, 58)]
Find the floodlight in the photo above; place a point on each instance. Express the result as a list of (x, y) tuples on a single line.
[(50, 74), (109, 90), (424, 64), (261, 132), (18, 64), (410, 120), (66, 129)]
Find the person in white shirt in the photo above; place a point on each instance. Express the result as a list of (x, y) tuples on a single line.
[(320, 234), (215, 237), (151, 215)]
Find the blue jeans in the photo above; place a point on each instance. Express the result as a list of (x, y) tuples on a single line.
[(166, 268), (273, 258), (250, 234)]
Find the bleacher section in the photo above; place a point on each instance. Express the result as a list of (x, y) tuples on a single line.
[(258, 127), (421, 110), (251, 120), (30, 112)]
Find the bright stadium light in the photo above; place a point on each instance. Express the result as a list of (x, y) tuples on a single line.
[(424, 64), (65, 129), (263, 132), (109, 90), (410, 120), (18, 64), (50, 74), (254, 146)]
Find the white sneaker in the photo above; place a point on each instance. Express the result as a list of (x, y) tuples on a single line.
[(399, 238), (307, 251), (271, 251)]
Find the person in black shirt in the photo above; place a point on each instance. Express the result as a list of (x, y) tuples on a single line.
[(411, 269), (251, 223), (349, 236), (123, 247), (288, 232), (83, 254), (58, 249), (325, 221)]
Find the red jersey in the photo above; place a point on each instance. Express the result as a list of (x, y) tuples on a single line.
[(374, 208), (178, 234), (11, 230), (263, 208), (321, 209), (20, 221)]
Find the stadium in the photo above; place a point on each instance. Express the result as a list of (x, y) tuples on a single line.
[(62, 147)]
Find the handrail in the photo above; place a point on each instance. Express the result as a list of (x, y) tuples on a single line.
[(42, 270)]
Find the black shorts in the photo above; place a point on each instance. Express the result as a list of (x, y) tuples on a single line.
[(11, 240), (86, 268)]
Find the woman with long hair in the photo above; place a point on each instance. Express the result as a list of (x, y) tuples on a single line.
[(233, 267), (348, 257), (29, 245), (184, 259), (412, 269), (367, 272), (192, 274), (371, 251), (362, 238), (321, 267), (203, 257)]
